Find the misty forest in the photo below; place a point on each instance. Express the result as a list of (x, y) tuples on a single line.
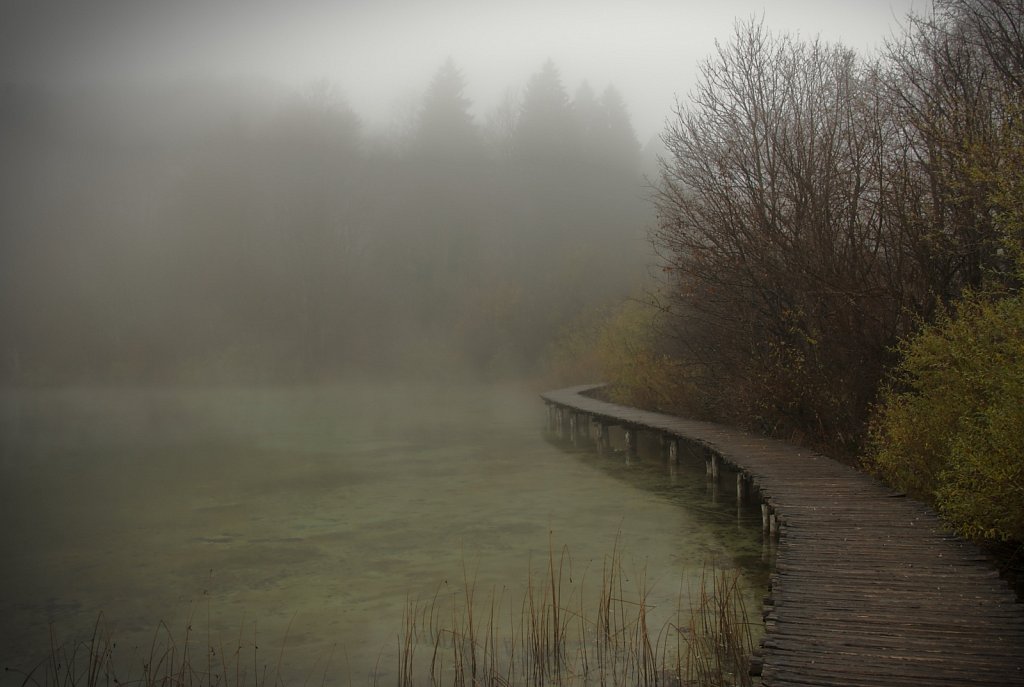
[(224, 232), (264, 358)]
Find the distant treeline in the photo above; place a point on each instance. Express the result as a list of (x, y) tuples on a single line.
[(219, 232)]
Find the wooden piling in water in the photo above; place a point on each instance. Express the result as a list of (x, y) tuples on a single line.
[(630, 437), (602, 440)]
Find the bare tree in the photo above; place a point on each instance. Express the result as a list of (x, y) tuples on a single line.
[(955, 78), (774, 229), (816, 207)]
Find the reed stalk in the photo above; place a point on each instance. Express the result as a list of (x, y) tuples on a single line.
[(554, 641), (552, 637)]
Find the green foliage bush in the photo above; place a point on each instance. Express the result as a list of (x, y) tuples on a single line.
[(950, 428), (621, 346), (637, 371)]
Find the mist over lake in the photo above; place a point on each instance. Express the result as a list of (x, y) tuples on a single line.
[(310, 515)]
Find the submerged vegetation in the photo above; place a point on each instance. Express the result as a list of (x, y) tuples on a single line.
[(182, 661), (553, 635)]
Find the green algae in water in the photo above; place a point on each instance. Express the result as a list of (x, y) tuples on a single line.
[(311, 515)]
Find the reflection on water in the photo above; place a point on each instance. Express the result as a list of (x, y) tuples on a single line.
[(311, 515)]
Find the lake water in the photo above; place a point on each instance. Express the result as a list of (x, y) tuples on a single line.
[(311, 516)]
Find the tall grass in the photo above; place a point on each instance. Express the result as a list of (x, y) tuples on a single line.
[(553, 634), (551, 637), (185, 662)]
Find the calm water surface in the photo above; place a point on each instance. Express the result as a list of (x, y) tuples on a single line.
[(311, 515)]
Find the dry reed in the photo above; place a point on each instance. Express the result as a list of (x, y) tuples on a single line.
[(549, 637), (706, 641), (167, 663)]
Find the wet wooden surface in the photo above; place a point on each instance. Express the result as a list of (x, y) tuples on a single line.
[(868, 587)]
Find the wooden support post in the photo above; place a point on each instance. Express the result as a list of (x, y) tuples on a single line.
[(768, 548), (602, 437), (573, 427), (766, 512), (631, 437), (560, 422), (711, 464), (742, 488), (673, 450)]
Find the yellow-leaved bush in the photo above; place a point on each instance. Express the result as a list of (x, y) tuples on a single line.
[(950, 427), (621, 346)]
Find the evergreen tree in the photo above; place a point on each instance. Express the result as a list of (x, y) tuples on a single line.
[(445, 126), (587, 111), (605, 131), (547, 129), (617, 138)]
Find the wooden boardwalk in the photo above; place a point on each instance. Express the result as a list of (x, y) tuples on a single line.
[(867, 588)]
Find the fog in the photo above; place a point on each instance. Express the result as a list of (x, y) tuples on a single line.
[(255, 259), (382, 53), (220, 231), (261, 191)]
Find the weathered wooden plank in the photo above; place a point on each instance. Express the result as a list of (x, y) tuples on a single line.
[(872, 675), (899, 662), (805, 644), (868, 619)]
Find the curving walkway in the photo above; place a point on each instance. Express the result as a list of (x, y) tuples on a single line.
[(868, 587)]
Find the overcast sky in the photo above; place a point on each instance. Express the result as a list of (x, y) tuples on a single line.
[(381, 53)]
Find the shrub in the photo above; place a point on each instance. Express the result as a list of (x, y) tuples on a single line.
[(624, 347), (950, 428)]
